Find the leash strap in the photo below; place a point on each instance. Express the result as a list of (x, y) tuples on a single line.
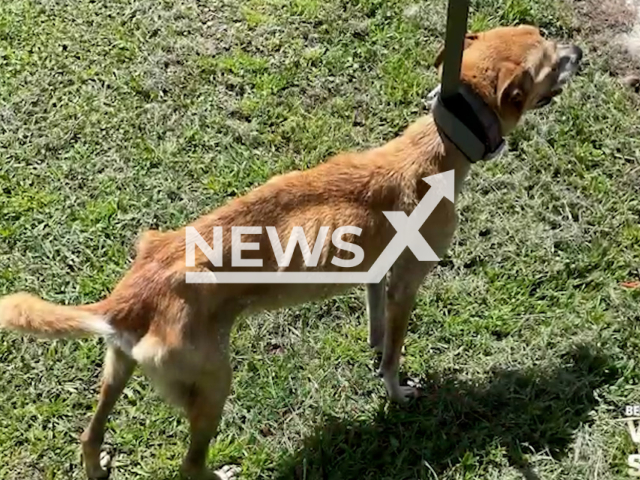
[(460, 113), (457, 17)]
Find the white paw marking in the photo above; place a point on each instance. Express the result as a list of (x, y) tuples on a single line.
[(105, 460), (414, 383), (228, 472)]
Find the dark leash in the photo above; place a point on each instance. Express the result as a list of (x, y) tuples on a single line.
[(459, 112)]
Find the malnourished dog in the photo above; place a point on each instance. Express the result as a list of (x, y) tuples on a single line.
[(178, 332)]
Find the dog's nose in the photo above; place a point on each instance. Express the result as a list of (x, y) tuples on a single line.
[(577, 53), (568, 62), (571, 53)]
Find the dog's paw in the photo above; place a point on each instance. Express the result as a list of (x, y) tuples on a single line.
[(99, 470), (404, 394), (105, 460), (228, 472)]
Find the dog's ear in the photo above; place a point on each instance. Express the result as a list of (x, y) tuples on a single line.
[(515, 84), (469, 38)]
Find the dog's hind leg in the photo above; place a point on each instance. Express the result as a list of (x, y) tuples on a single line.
[(118, 368), (376, 306)]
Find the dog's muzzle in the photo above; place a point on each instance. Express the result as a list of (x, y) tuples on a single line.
[(569, 57)]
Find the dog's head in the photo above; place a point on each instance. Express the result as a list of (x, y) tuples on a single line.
[(515, 69)]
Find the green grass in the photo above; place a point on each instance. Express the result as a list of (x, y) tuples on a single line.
[(120, 116)]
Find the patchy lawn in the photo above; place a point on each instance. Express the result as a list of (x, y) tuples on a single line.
[(119, 116)]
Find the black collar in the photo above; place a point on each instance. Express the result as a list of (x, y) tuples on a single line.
[(469, 123)]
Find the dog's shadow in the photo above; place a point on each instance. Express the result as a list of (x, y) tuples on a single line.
[(458, 423)]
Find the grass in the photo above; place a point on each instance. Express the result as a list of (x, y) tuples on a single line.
[(119, 116)]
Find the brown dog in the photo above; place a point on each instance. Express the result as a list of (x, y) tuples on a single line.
[(178, 332)]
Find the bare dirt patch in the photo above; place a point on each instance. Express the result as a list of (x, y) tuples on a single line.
[(613, 27)]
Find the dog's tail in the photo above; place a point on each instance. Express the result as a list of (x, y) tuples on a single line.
[(29, 314)]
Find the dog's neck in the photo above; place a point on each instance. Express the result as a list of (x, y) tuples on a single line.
[(432, 152), (454, 160)]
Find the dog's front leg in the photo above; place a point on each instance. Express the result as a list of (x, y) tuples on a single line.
[(405, 279), (376, 307)]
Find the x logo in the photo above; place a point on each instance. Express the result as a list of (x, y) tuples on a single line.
[(409, 233)]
